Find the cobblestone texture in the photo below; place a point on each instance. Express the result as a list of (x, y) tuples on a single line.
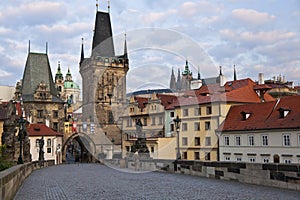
[(95, 181)]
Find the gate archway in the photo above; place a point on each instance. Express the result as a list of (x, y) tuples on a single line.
[(79, 147)]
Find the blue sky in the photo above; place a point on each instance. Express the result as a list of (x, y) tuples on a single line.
[(256, 36)]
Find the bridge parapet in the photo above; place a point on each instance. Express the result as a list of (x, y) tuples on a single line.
[(12, 178)]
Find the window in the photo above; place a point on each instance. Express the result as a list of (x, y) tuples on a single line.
[(172, 114), (239, 159), (129, 123), (207, 125), (145, 121), (197, 111), (184, 141), (227, 158), (49, 150), (208, 110), (237, 140), (287, 161), (160, 121), (197, 155), (39, 113), (185, 112), (266, 160), (207, 155), (251, 140), (197, 141), (152, 149), (131, 109), (55, 114), (251, 159), (184, 155), (298, 139), (171, 127), (207, 141), (37, 142), (49, 143), (265, 141), (153, 121), (286, 140), (226, 140), (184, 127), (197, 126), (55, 126), (127, 148)]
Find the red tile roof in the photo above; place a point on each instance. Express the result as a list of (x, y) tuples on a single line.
[(41, 130), (142, 101), (240, 91), (166, 99), (264, 116)]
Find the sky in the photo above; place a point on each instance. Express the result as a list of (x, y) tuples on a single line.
[(256, 36)]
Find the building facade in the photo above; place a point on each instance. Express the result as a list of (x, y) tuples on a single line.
[(262, 133)]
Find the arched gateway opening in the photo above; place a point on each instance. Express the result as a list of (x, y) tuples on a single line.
[(79, 148)]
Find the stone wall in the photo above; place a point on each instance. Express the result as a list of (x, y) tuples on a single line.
[(12, 178), (275, 175)]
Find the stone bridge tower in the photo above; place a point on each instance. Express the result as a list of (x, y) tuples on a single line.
[(104, 81)]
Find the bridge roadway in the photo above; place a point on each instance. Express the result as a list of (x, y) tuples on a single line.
[(95, 181)]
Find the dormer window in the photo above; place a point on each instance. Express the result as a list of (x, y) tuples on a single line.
[(245, 115), (283, 112)]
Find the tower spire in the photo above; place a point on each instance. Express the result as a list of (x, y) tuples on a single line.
[(199, 76), (234, 73), (46, 47), (29, 46), (97, 6), (221, 71), (108, 5), (125, 47), (82, 51)]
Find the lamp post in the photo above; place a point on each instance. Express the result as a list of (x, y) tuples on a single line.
[(21, 130), (113, 146), (177, 122)]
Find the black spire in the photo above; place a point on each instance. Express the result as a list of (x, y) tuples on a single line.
[(173, 81), (82, 52), (234, 73), (103, 44), (125, 48), (221, 71)]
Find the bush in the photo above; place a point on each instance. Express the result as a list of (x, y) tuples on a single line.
[(4, 160)]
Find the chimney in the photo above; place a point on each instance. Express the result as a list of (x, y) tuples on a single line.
[(261, 78)]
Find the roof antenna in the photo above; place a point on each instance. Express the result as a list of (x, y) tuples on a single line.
[(97, 5), (29, 46), (108, 6), (46, 47)]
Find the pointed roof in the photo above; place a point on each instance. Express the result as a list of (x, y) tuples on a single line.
[(103, 44), (173, 81), (186, 69), (82, 53), (125, 48), (234, 73), (58, 74), (37, 69)]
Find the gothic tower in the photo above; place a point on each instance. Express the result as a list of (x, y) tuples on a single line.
[(104, 80), (59, 81)]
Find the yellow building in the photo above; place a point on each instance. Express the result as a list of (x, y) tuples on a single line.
[(202, 111)]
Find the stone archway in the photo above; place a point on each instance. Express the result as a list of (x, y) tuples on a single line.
[(79, 147)]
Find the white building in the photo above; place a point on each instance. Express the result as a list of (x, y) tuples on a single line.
[(262, 133), (52, 142)]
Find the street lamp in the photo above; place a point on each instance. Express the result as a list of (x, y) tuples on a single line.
[(113, 146), (177, 122), (21, 133)]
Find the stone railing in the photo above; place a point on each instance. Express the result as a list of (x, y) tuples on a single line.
[(11, 179), (285, 176)]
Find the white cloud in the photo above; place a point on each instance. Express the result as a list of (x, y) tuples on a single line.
[(253, 17)]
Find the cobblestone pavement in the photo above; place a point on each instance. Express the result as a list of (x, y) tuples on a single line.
[(95, 181)]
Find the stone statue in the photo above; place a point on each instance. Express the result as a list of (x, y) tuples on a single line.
[(41, 152), (139, 129)]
